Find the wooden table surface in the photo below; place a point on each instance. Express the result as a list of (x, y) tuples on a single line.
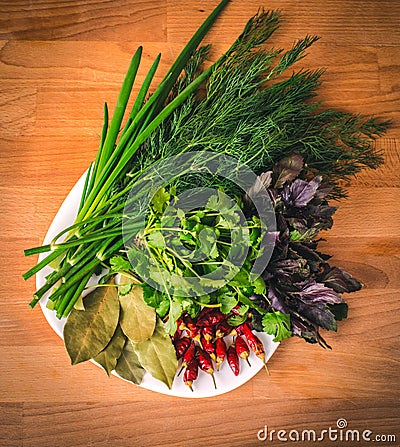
[(59, 61)]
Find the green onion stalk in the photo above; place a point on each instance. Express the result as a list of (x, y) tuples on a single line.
[(97, 233)]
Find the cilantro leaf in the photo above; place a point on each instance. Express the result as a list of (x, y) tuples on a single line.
[(124, 289), (160, 199), (156, 299), (175, 311), (228, 300), (120, 264), (156, 240), (277, 324), (259, 286)]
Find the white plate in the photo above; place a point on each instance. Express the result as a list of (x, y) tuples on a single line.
[(203, 386)]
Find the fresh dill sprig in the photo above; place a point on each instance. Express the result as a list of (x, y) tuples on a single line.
[(249, 113)]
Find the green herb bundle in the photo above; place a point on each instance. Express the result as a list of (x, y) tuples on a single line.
[(252, 110)]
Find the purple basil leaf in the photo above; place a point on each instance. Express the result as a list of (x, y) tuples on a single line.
[(287, 169), (339, 280), (265, 178), (321, 212), (314, 292), (318, 313), (281, 224), (282, 244), (276, 302), (263, 181), (298, 223), (290, 267), (303, 329), (300, 192), (339, 310), (323, 190), (307, 251)]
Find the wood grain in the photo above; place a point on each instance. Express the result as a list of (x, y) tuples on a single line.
[(59, 62)]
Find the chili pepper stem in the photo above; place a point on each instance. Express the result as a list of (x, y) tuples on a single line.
[(215, 383), (248, 361), (197, 338), (180, 371)]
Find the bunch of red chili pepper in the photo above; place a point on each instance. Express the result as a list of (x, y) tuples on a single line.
[(200, 343)]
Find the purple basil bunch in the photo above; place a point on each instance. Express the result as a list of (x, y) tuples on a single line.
[(300, 280)]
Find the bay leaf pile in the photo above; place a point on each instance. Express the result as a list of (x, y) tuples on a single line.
[(120, 332)]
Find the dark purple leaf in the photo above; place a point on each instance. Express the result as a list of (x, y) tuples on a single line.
[(339, 310), (307, 251), (323, 190), (290, 267), (262, 183), (321, 212), (303, 329), (276, 302), (339, 280), (298, 223), (287, 169), (265, 179), (282, 243), (314, 292), (313, 302), (307, 330), (319, 313), (300, 192)]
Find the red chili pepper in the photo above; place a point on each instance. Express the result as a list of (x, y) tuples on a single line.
[(188, 355), (177, 335), (206, 364), (233, 359), (207, 332), (220, 350), (242, 350), (204, 311), (224, 329), (181, 346), (255, 343), (179, 322), (191, 328), (191, 372), (212, 318), (208, 346)]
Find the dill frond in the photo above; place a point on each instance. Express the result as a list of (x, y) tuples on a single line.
[(250, 113)]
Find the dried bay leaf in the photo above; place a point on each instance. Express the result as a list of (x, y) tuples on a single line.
[(87, 332), (128, 366), (109, 356), (157, 355), (137, 319)]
